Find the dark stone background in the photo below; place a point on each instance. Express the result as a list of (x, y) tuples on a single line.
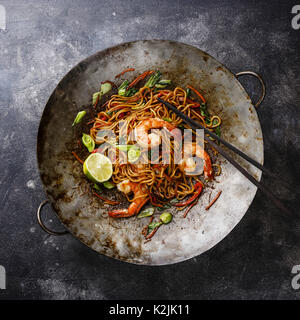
[(43, 40)]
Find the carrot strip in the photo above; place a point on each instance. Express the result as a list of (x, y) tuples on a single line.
[(144, 230), (126, 70), (106, 200), (190, 207), (152, 233), (140, 77), (77, 158), (197, 92), (214, 200)]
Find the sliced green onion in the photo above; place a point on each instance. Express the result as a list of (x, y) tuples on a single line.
[(164, 81), (160, 86), (133, 154), (188, 92), (146, 213), (95, 97), (167, 119), (105, 87), (154, 225), (79, 117), (108, 185), (166, 217), (88, 141), (124, 147)]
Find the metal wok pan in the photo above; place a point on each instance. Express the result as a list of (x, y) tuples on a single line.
[(85, 216)]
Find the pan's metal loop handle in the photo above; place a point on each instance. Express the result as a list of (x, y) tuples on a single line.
[(263, 86), (41, 223)]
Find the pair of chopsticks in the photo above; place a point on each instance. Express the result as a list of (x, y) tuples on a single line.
[(195, 125)]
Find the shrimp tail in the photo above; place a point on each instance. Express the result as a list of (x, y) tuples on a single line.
[(132, 210)]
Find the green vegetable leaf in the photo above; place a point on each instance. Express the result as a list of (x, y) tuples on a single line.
[(146, 213), (123, 87), (130, 92), (188, 92), (154, 225), (108, 185), (79, 117), (218, 131), (154, 78)]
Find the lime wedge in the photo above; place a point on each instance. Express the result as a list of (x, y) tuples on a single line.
[(97, 167)]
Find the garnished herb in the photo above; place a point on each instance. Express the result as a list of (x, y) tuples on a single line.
[(146, 213), (79, 117), (88, 141), (167, 119), (153, 80)]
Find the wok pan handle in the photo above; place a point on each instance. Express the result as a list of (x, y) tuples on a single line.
[(41, 223), (263, 86)]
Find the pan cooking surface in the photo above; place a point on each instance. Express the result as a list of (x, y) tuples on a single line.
[(86, 216)]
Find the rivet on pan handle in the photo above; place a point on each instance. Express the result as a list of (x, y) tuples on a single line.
[(263, 86), (54, 233)]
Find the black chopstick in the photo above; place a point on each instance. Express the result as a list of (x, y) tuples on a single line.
[(195, 125)]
